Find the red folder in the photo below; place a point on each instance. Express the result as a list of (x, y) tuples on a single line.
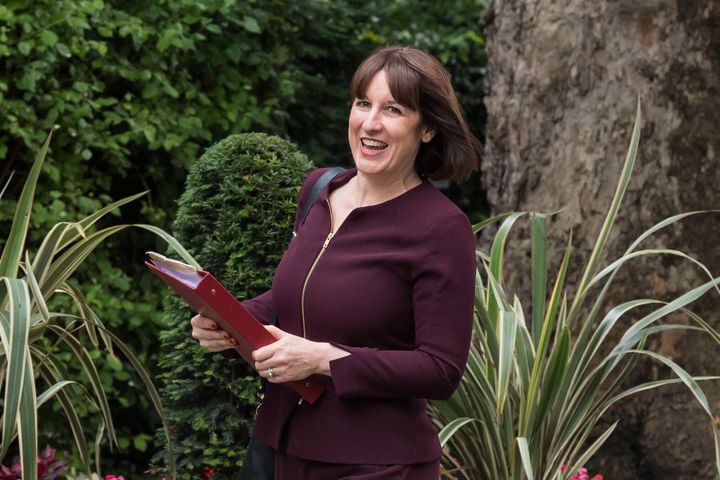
[(207, 296)]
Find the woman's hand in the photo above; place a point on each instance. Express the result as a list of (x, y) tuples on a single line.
[(294, 358), (206, 331)]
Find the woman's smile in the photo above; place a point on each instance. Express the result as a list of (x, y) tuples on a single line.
[(372, 146)]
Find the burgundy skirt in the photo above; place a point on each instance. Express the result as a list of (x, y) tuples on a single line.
[(289, 467)]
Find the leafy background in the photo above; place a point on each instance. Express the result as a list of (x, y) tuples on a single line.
[(136, 91)]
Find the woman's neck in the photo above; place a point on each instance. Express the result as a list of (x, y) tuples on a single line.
[(370, 190)]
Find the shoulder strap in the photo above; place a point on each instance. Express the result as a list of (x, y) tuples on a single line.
[(320, 183)]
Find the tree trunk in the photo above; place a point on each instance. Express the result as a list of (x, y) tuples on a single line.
[(563, 79)]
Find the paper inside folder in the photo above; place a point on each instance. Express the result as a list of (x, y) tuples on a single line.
[(183, 272)]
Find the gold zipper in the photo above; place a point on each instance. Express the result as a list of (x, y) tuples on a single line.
[(312, 267)]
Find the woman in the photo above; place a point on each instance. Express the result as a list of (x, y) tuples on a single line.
[(375, 292)]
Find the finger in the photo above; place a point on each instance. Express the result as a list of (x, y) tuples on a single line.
[(205, 334), (215, 344), (264, 353), (276, 332), (217, 349), (268, 351), (201, 321), (264, 366)]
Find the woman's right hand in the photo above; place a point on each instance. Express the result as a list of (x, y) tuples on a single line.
[(207, 332)]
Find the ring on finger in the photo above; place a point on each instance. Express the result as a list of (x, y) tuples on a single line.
[(270, 372)]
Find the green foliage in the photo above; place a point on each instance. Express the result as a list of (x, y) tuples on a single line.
[(236, 217), (533, 392), (35, 338)]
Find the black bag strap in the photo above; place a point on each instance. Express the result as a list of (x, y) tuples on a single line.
[(320, 183)]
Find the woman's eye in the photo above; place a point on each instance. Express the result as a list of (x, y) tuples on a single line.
[(395, 110), (361, 103)]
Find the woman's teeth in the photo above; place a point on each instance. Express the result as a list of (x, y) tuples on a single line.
[(373, 144)]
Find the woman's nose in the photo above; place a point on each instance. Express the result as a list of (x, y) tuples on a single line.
[(373, 121)]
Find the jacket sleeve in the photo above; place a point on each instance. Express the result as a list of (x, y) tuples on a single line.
[(262, 307), (443, 286)]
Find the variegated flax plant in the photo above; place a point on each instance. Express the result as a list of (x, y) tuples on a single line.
[(31, 372), (535, 389)]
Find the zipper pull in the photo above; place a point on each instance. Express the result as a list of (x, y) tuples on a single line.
[(327, 240)]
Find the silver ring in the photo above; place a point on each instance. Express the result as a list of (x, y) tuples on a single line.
[(270, 374)]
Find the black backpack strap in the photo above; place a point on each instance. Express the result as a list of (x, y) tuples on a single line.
[(320, 183)]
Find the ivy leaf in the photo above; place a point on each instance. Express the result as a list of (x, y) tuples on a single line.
[(63, 50), (149, 131), (48, 37), (106, 101), (251, 25), (114, 363), (170, 90), (24, 47), (211, 27), (166, 40), (140, 442), (234, 52), (26, 82), (105, 32), (150, 90)]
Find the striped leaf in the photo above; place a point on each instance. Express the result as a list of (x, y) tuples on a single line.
[(14, 331), (538, 241), (15, 242), (449, 430), (525, 456), (508, 332), (27, 423)]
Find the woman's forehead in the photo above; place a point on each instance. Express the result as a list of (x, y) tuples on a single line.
[(398, 85)]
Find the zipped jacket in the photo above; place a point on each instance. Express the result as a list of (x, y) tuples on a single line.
[(394, 287)]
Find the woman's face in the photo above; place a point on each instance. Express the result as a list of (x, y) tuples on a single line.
[(384, 136)]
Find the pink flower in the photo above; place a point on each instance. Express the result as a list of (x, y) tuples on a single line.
[(114, 477), (582, 474)]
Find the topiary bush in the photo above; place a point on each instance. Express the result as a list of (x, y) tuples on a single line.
[(235, 217)]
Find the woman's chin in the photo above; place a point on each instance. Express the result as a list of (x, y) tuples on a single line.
[(370, 166)]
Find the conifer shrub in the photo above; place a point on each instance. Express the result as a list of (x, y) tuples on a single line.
[(235, 217)]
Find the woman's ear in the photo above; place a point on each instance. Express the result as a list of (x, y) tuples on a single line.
[(427, 135)]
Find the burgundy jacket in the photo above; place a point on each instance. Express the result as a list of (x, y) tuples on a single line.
[(394, 287)]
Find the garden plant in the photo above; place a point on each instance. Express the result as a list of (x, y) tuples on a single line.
[(33, 334), (535, 389), (236, 218)]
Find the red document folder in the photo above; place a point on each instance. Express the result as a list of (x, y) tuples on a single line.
[(207, 296)]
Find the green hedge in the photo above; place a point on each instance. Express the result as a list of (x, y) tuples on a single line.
[(236, 218)]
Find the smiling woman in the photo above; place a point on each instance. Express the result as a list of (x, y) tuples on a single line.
[(375, 292)]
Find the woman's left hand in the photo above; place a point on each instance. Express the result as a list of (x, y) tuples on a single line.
[(294, 358)]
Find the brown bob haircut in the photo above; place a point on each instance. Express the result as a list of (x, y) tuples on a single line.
[(418, 81)]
